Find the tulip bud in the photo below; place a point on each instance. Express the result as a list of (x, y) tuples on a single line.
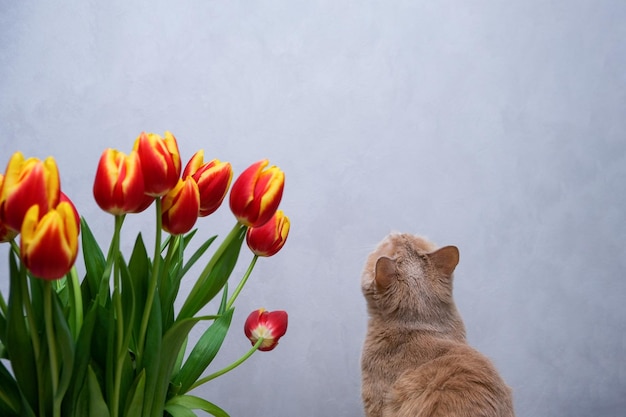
[(269, 238), (119, 186), (213, 179), (49, 245), (160, 162), (256, 193), (28, 182), (269, 325), (180, 207)]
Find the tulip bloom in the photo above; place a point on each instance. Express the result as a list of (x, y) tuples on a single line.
[(269, 238), (269, 325), (213, 179), (160, 162), (119, 187), (49, 245), (6, 234), (256, 193), (28, 182), (180, 207)]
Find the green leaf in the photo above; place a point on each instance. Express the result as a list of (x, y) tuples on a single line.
[(151, 359), (95, 262), (139, 268), (65, 344), (19, 344), (97, 405), (134, 400), (9, 393), (215, 274), (196, 403), (203, 352), (177, 410), (198, 254)]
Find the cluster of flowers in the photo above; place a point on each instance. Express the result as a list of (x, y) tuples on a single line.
[(33, 207)]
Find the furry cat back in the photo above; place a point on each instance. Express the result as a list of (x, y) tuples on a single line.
[(415, 360)]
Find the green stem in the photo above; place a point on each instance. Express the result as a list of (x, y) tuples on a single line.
[(229, 367), (52, 350), (152, 285), (243, 281), (103, 291), (119, 340)]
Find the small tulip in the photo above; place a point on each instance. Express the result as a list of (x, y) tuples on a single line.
[(269, 238), (180, 207), (213, 179), (49, 245), (269, 325), (28, 182), (256, 193), (119, 186), (160, 162)]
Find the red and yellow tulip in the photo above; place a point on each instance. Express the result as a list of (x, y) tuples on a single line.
[(256, 193), (6, 234), (181, 207), (268, 239), (160, 162), (269, 325), (213, 179), (49, 245), (119, 186), (28, 182)]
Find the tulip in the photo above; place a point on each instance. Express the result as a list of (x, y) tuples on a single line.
[(256, 193), (119, 187), (213, 179), (28, 182), (269, 238), (269, 325), (160, 162), (180, 207), (49, 245), (6, 234)]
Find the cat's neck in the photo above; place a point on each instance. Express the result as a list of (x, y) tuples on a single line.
[(449, 328)]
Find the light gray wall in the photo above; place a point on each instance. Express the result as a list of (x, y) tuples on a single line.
[(498, 126)]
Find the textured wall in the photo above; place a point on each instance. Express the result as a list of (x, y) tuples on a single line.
[(496, 126)]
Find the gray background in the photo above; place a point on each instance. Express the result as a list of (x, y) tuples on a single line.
[(497, 126)]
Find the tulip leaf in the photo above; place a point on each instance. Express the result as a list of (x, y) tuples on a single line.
[(19, 344), (177, 410), (97, 405), (215, 274), (9, 393), (195, 403), (203, 352), (139, 270), (65, 343), (151, 359), (197, 254), (134, 400), (95, 262)]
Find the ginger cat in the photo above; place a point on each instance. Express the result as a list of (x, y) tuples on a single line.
[(416, 361)]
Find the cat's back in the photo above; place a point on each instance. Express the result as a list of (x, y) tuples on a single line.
[(459, 382)]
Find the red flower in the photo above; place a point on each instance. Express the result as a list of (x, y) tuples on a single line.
[(160, 162), (6, 234), (49, 245), (256, 193), (269, 325), (213, 179), (28, 182), (180, 207), (118, 187), (269, 238)]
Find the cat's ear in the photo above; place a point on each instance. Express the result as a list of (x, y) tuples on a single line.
[(445, 259), (385, 272)]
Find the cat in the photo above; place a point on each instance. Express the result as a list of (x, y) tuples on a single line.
[(415, 360)]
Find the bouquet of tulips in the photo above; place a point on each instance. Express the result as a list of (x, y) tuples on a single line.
[(111, 344)]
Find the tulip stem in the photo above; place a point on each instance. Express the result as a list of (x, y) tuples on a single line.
[(103, 290), (229, 367), (52, 350), (243, 281), (152, 285)]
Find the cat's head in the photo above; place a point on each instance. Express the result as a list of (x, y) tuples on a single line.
[(408, 278)]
